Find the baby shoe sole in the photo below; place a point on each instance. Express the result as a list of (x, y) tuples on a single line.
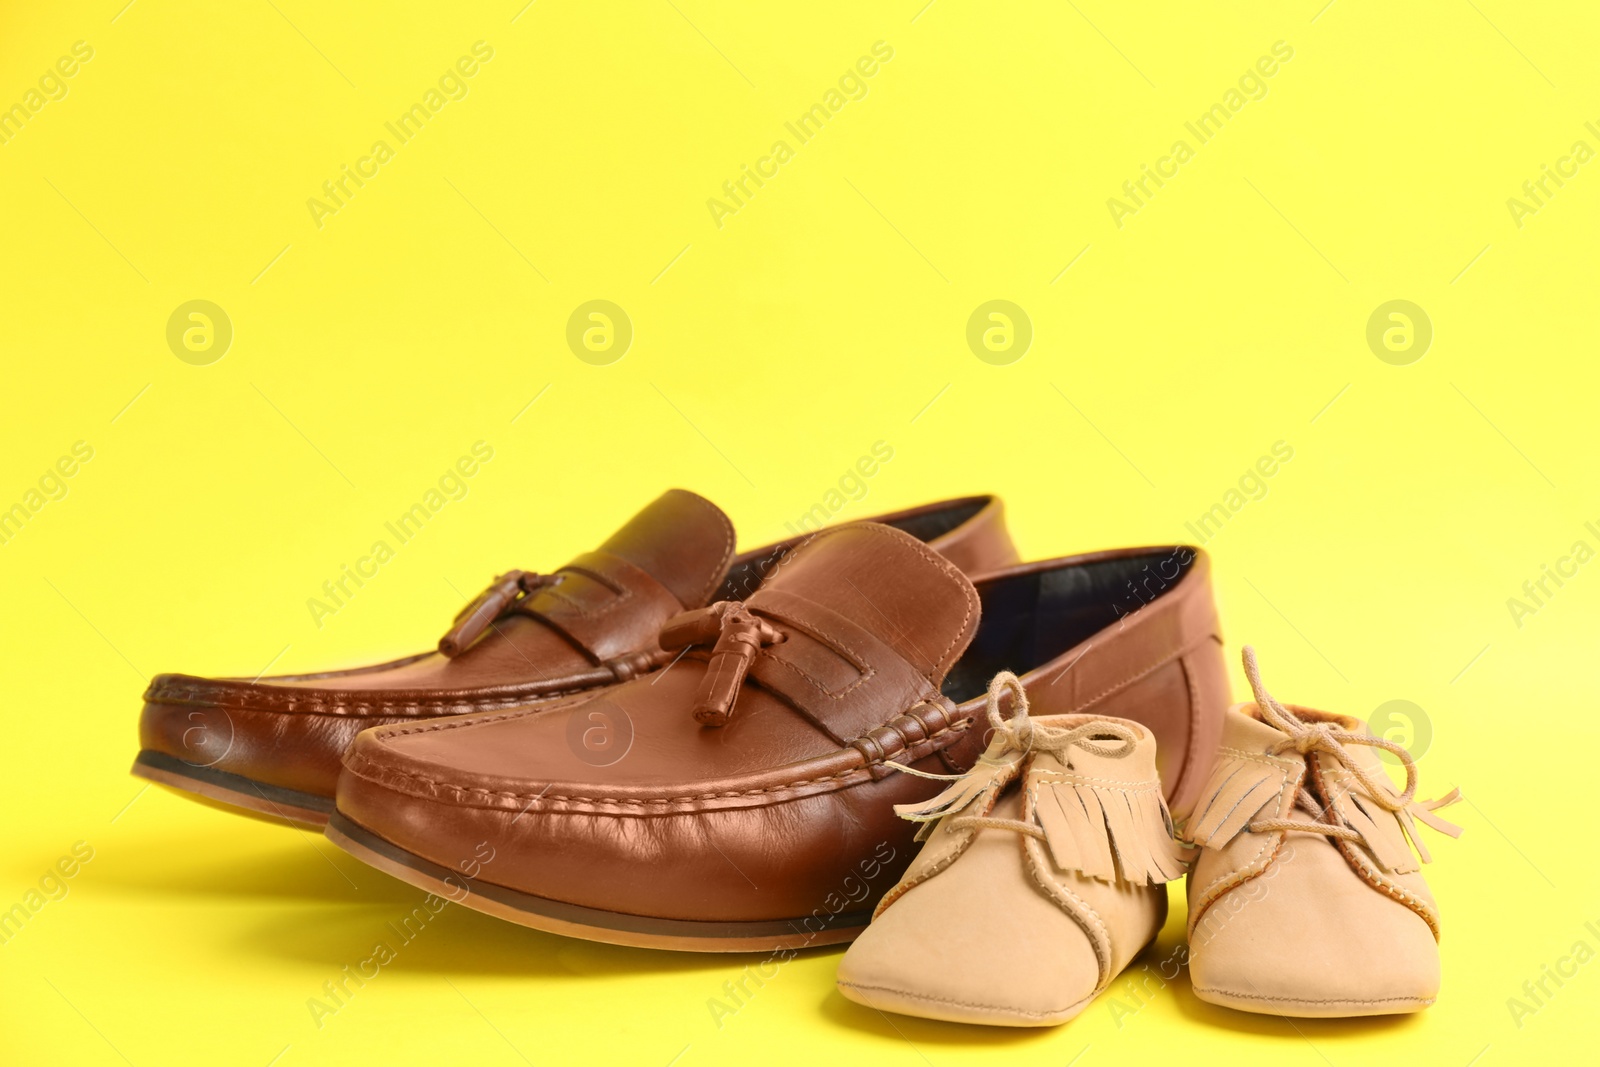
[(903, 1002), (233, 792), (590, 924), (1308, 1008), (943, 1009)]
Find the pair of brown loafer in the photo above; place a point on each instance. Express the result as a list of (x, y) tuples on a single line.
[(670, 743)]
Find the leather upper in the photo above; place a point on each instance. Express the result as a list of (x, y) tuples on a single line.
[(589, 624), (623, 801), (1043, 877), (1306, 898), (1129, 632)]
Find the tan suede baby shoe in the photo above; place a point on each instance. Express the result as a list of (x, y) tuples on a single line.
[(1042, 879), (1305, 898)]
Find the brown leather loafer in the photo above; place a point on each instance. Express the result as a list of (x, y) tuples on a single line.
[(742, 798), (272, 746)]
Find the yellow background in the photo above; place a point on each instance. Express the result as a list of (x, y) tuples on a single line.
[(769, 354)]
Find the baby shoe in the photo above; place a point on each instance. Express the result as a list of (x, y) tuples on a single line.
[(1305, 898), (1041, 879)]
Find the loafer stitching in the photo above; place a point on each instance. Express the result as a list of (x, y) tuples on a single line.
[(358, 763), (273, 703), (1139, 675), (948, 571), (457, 723), (460, 790), (727, 544)]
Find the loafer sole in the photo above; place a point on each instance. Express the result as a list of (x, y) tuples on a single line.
[(233, 792), (590, 924)]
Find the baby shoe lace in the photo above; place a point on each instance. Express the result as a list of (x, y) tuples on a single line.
[(1020, 737), (1324, 737)]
